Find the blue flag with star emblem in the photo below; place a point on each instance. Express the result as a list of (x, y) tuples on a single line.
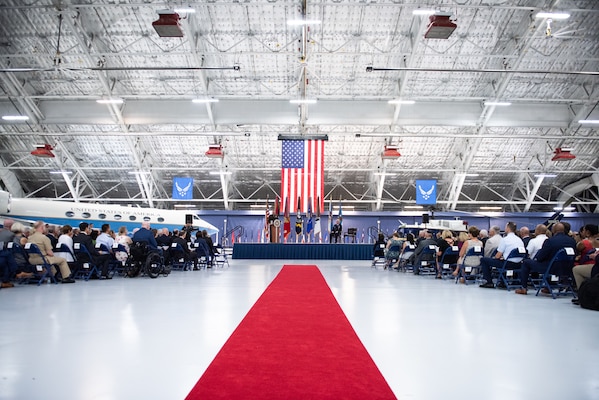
[(183, 188), (426, 191)]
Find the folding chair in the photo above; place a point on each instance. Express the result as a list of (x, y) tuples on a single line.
[(378, 258), (428, 260), (86, 265), (177, 257), (558, 275), (202, 257), (444, 264), (118, 261), (404, 256), (42, 271), (470, 272), (510, 277), (220, 259), (388, 260)]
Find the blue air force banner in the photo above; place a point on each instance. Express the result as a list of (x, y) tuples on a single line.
[(426, 192), (183, 188)]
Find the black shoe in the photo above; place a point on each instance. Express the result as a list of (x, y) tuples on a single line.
[(94, 277), (417, 273), (68, 280), (439, 277), (487, 285), (576, 302), (106, 277)]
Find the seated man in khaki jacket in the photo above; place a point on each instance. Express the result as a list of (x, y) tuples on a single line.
[(40, 239)]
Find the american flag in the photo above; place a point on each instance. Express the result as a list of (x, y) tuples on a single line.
[(302, 174)]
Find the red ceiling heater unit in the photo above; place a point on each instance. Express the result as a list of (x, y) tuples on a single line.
[(390, 153), (167, 24), (562, 154), (215, 151), (43, 150), (440, 27)]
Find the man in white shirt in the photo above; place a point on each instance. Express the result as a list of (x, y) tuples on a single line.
[(507, 244), (493, 241), (535, 244), (105, 239)]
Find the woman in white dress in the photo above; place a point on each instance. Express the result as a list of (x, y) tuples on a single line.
[(123, 239), (66, 238)]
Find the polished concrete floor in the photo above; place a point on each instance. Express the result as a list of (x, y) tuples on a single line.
[(147, 338)]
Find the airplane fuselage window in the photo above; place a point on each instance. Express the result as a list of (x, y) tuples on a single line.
[(160, 219), (85, 215), (147, 218), (102, 216), (117, 217), (132, 217), (70, 214)]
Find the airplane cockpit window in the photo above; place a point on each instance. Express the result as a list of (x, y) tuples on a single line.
[(132, 217), (86, 215), (102, 216), (160, 219), (117, 217), (147, 218), (70, 214)]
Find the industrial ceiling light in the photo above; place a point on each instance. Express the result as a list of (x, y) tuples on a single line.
[(303, 101), (215, 151), (15, 117), (423, 11), (185, 10), (440, 27), (399, 101), (582, 121), (167, 24), (498, 103), (110, 101), (563, 154), (43, 151), (204, 101), (552, 15), (299, 22), (491, 208)]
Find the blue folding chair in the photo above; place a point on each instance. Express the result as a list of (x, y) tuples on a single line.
[(448, 261), (178, 258), (404, 257), (510, 277), (558, 275), (202, 257), (470, 271), (378, 258), (117, 264), (388, 260), (86, 266), (43, 270), (428, 260)]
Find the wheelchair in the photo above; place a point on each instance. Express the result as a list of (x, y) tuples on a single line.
[(143, 260)]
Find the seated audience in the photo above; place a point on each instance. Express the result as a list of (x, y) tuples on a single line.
[(505, 247), (42, 241), (470, 261), (551, 246)]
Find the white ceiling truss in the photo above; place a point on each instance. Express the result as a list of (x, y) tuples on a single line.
[(58, 57)]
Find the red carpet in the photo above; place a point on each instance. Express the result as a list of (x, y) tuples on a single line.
[(294, 343)]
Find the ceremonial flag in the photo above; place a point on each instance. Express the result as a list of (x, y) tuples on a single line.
[(183, 188), (310, 225), (286, 220), (298, 219), (317, 220), (266, 227), (302, 173), (340, 213), (330, 216), (426, 192)]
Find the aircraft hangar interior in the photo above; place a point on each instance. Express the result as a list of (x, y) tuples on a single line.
[(240, 118)]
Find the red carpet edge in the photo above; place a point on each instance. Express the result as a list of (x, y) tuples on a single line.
[(294, 343)]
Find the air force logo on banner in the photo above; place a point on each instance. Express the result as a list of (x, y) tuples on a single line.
[(426, 192), (183, 188)]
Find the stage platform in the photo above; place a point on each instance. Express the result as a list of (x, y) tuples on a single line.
[(303, 251)]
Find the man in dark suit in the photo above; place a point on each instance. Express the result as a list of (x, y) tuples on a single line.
[(144, 234), (421, 255), (100, 260), (551, 246)]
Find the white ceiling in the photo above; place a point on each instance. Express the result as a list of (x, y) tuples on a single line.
[(246, 55)]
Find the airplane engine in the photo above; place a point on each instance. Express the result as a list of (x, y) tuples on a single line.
[(4, 202)]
